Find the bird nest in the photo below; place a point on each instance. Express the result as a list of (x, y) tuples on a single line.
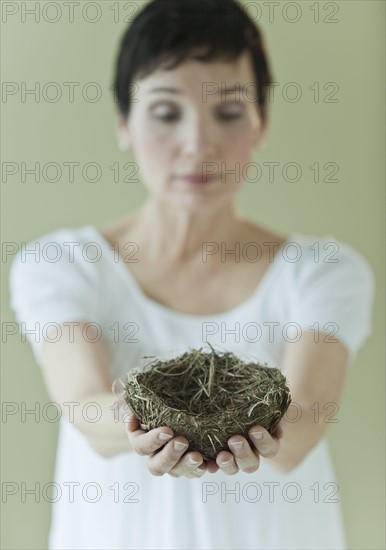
[(207, 397)]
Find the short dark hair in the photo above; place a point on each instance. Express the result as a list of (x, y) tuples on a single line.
[(169, 30)]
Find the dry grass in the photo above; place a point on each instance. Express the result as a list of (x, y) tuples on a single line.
[(207, 397)]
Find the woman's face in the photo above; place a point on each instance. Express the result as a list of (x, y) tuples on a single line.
[(182, 122)]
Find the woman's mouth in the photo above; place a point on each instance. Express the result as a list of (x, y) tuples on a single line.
[(199, 178)]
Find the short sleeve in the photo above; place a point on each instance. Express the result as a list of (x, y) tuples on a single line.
[(336, 297), (51, 283)]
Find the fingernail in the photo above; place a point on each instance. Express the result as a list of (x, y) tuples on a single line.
[(179, 446), (200, 472), (226, 462), (257, 435), (164, 437), (193, 462), (238, 444)]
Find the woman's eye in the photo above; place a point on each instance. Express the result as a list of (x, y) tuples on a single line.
[(165, 114), (229, 116), (167, 118)]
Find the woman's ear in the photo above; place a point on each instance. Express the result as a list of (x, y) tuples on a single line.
[(123, 135), (260, 136)]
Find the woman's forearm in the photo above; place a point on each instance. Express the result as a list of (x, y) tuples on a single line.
[(103, 428), (96, 419), (300, 436)]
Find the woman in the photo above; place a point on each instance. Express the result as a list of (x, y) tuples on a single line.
[(197, 271)]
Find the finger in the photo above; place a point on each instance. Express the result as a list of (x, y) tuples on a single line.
[(278, 432), (267, 445), (162, 462), (246, 459), (142, 441), (212, 467), (226, 463), (147, 443), (191, 465)]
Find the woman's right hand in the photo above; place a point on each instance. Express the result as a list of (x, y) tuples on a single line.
[(165, 453)]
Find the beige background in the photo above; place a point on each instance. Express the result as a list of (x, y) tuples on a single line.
[(349, 133)]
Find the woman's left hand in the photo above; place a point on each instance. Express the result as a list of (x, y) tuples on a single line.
[(243, 456)]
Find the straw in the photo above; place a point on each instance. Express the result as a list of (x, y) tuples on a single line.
[(207, 397)]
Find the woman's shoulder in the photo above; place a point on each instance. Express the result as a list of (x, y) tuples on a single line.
[(325, 257), (60, 253), (325, 248), (62, 238), (308, 258), (261, 236)]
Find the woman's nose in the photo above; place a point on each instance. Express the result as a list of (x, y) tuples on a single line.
[(199, 139)]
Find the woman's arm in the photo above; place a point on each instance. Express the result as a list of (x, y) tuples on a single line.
[(77, 372), (76, 375), (316, 375)]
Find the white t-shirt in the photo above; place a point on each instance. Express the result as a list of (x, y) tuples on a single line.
[(115, 503)]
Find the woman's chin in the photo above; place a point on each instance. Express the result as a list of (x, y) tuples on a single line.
[(198, 202)]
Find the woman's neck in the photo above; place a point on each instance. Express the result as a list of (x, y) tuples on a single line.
[(181, 235)]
